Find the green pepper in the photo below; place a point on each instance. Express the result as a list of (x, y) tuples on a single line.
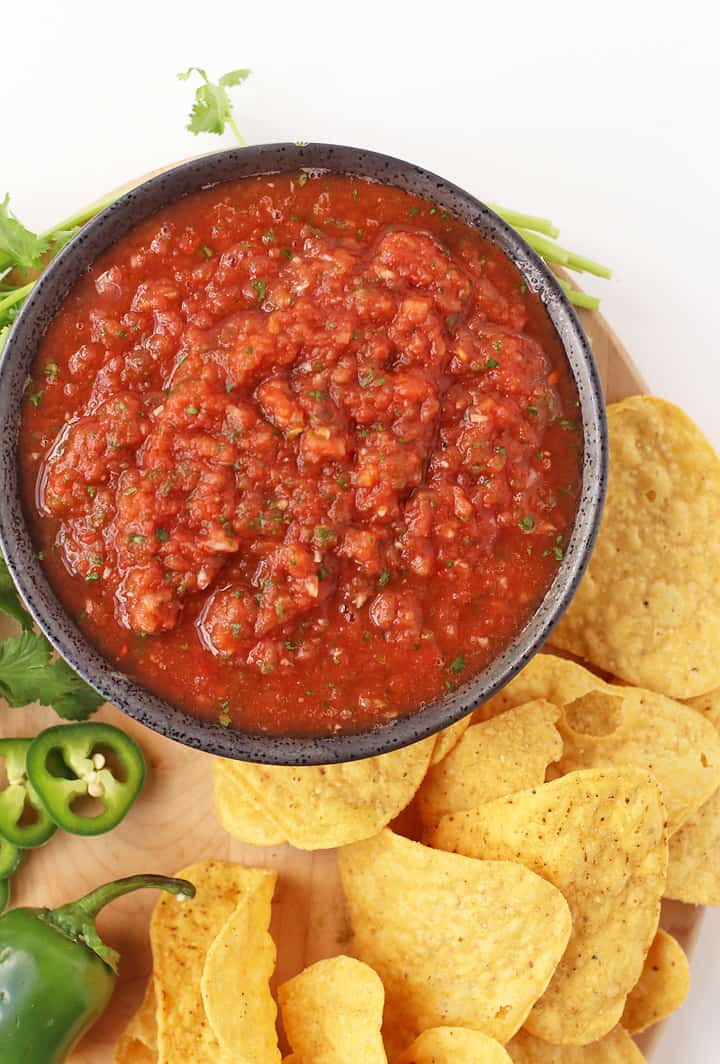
[(10, 857), (23, 821), (74, 761), (4, 894), (56, 973)]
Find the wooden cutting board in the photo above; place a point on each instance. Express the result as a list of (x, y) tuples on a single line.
[(174, 824)]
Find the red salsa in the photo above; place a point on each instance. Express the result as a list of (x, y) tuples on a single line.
[(300, 453)]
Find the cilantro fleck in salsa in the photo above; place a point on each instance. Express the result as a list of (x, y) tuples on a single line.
[(300, 454)]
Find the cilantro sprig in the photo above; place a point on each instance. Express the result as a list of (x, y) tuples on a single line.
[(213, 108), (24, 253), (28, 672)]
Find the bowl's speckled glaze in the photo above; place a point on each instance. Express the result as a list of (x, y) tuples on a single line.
[(46, 298)]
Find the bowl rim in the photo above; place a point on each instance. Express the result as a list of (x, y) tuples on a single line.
[(131, 209)]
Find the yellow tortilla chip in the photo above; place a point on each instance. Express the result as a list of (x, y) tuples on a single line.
[(235, 982), (322, 806), (599, 837), (131, 1050), (607, 725), (332, 1013), (456, 942), (628, 726), (545, 676), (138, 1043), (647, 608), (662, 987), (447, 739), (506, 754), (708, 705), (615, 1048), (454, 1045), (694, 867), (181, 935), (238, 810)]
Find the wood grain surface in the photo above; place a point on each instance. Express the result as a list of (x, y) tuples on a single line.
[(174, 824)]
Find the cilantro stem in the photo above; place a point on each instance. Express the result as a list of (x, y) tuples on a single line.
[(579, 262), (549, 251), (579, 299), (84, 215), (16, 296), (555, 253), (526, 221), (238, 135)]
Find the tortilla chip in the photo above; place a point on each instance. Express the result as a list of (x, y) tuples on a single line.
[(506, 754), (694, 867), (708, 705), (628, 726), (332, 1013), (130, 1050), (545, 676), (456, 942), (454, 1045), (138, 1043), (647, 608), (653, 732), (322, 806), (662, 987), (599, 837), (180, 935), (235, 982), (615, 1048), (447, 739), (238, 811)]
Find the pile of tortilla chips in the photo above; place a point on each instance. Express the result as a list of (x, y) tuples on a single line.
[(525, 925), (208, 998)]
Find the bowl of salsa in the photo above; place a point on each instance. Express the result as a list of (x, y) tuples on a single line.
[(303, 455)]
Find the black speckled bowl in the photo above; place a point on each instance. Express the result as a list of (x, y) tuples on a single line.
[(48, 295)]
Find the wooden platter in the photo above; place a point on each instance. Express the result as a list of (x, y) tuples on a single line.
[(174, 824)]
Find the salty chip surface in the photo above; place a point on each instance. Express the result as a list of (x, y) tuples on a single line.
[(662, 987), (454, 1045), (545, 676), (181, 935), (321, 806), (599, 837), (694, 867), (239, 812), (629, 726), (138, 1042), (332, 1013), (648, 608), (617, 1047), (235, 982), (506, 754), (456, 942)]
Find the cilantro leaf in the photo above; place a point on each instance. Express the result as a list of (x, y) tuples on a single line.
[(190, 71), (67, 693), (19, 247), (234, 77), (23, 661), (212, 110), (10, 600), (28, 675)]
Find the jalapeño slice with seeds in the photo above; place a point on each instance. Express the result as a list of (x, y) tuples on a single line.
[(91, 760), (23, 820)]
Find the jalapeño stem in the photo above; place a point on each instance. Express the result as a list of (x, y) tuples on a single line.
[(76, 920)]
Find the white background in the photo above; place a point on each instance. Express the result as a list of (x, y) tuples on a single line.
[(599, 115)]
